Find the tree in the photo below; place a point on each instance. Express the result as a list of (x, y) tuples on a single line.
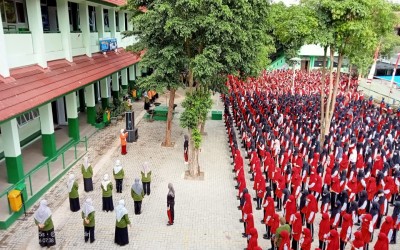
[(353, 27), (207, 40)]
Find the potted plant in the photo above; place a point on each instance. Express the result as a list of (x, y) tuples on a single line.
[(99, 119)]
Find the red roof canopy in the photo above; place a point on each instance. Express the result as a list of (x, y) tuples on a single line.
[(32, 86), (117, 2)]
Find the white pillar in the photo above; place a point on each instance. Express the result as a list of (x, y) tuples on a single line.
[(46, 119), (100, 21), (72, 106), (124, 78), (115, 82), (49, 147), (4, 70), (12, 151), (36, 28), (104, 88), (84, 26), (9, 131), (90, 104), (138, 70), (111, 20), (63, 25), (121, 21), (130, 26), (132, 73)]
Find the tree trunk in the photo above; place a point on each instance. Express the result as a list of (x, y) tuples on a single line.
[(333, 101), (202, 128), (327, 122), (322, 120), (167, 141), (348, 84), (190, 76), (194, 168)]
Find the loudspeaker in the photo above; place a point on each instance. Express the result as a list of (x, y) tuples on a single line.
[(130, 120), (132, 135)]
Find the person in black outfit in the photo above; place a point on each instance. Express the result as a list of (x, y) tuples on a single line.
[(171, 204)]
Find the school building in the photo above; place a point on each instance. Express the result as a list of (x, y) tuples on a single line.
[(54, 76)]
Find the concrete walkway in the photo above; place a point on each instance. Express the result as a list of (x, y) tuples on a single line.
[(206, 213)]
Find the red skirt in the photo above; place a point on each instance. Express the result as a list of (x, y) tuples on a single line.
[(123, 149), (185, 155)]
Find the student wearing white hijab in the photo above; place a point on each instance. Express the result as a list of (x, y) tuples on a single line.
[(121, 225), (137, 194), (88, 220), (73, 194), (106, 187), (45, 225), (171, 204), (87, 172), (118, 173), (146, 177)]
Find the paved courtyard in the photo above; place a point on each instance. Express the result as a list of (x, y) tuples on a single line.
[(206, 211)]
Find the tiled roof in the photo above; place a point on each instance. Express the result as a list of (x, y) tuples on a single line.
[(32, 86), (117, 2)]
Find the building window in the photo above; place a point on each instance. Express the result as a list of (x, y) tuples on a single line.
[(27, 117), (116, 21), (13, 11), (92, 19), (106, 21), (73, 12)]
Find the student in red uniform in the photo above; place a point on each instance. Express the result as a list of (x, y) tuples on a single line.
[(345, 232), (382, 243), (324, 227), (269, 212), (306, 240), (312, 209), (285, 240), (253, 241), (249, 225), (274, 226), (296, 225), (387, 227), (366, 229), (358, 242), (333, 240), (290, 207)]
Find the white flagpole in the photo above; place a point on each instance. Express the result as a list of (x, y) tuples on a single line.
[(373, 67), (394, 73)]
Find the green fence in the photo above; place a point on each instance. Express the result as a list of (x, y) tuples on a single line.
[(41, 178)]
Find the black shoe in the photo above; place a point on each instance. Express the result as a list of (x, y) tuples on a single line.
[(259, 208), (249, 172), (244, 235), (252, 179), (262, 222), (170, 224), (236, 187), (279, 210), (241, 220), (254, 199), (232, 165), (92, 241), (233, 170), (239, 207)]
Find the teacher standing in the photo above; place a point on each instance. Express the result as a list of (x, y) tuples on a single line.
[(171, 204)]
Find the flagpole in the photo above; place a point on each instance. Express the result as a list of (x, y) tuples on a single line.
[(394, 73)]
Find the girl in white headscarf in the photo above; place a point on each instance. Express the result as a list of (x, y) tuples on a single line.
[(171, 204), (87, 172), (119, 174), (45, 225), (137, 194), (146, 177), (88, 220), (106, 187), (121, 225), (73, 194)]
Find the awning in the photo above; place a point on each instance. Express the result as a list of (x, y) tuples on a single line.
[(30, 87)]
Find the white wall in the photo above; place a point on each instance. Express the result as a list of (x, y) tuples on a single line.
[(53, 46), (77, 44), (25, 131), (94, 42), (19, 49)]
